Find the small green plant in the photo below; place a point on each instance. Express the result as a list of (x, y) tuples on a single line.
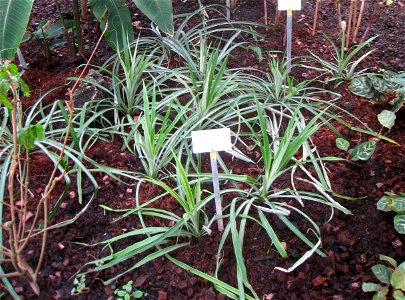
[(79, 285), (396, 203), (343, 68), (48, 33), (391, 276), (362, 151), (127, 292), (384, 88), (154, 140)]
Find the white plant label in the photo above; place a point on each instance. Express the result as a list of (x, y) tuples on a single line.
[(289, 4), (211, 140)]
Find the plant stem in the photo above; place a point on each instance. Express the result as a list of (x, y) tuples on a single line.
[(337, 3), (372, 20), (356, 30), (84, 9), (354, 20), (76, 17), (67, 34), (277, 17), (347, 43), (315, 16)]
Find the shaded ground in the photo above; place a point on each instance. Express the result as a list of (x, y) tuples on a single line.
[(352, 242)]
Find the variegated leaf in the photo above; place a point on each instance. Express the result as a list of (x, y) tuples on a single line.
[(399, 223), (363, 151), (387, 118)]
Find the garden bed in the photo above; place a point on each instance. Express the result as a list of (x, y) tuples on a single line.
[(352, 243)]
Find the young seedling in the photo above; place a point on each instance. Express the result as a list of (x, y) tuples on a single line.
[(396, 203), (127, 292), (362, 151), (390, 276)]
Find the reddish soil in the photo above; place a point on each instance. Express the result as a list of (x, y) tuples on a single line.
[(352, 242)]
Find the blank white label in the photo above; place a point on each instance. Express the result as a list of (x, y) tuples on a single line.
[(289, 4), (212, 140)]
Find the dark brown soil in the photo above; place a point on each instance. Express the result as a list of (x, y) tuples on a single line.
[(352, 242)]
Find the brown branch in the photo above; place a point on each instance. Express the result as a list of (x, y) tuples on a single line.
[(315, 16)]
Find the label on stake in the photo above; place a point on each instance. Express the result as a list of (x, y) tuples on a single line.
[(289, 4), (211, 140)]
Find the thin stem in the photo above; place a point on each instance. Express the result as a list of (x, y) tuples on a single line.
[(83, 5), (337, 3), (315, 16), (9, 275), (15, 154), (349, 24), (277, 17), (76, 17), (356, 30), (71, 46), (372, 20), (354, 20), (53, 180)]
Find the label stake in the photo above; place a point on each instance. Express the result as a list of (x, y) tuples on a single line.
[(211, 141), (215, 183), (289, 38), (289, 6)]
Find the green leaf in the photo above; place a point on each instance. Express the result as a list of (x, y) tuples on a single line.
[(402, 266), (387, 118), (399, 223), (5, 101), (390, 260), (128, 286), (370, 287), (28, 135), (385, 203), (48, 30), (270, 231), (383, 273), (24, 87), (377, 82), (14, 17), (399, 79), (363, 151), (121, 293), (342, 144), (398, 295), (381, 294), (398, 203), (137, 294), (398, 279), (362, 86), (119, 32), (159, 11), (258, 51)]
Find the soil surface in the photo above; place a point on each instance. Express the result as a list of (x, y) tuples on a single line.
[(352, 242)]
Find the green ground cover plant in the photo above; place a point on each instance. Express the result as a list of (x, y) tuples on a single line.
[(343, 66), (395, 203), (392, 278), (162, 88), (201, 92), (385, 88)]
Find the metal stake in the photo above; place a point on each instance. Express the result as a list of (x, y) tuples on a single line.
[(289, 37), (228, 10), (215, 183)]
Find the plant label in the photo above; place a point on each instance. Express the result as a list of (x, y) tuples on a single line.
[(211, 140), (289, 4)]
